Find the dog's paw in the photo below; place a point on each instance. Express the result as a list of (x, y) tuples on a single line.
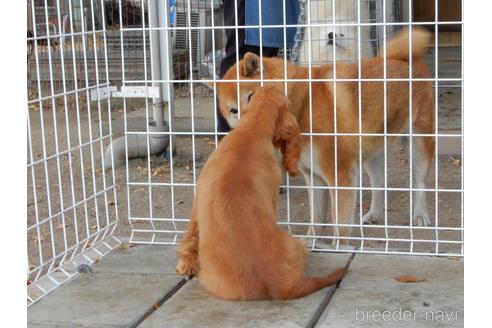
[(309, 239), (372, 217), (186, 268), (421, 220), (339, 243)]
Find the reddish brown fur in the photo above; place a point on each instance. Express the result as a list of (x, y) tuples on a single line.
[(233, 241), (347, 99)]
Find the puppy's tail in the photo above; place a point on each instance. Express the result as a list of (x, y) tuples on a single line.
[(310, 285), (399, 46)]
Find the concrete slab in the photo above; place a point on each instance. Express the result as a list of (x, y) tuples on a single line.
[(126, 285), (380, 270), (101, 300), (365, 307), (123, 287), (192, 306), (138, 258), (370, 289)]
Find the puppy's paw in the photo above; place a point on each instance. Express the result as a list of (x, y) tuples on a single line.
[(340, 243), (186, 267)]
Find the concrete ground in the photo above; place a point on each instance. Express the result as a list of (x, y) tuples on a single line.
[(136, 286)]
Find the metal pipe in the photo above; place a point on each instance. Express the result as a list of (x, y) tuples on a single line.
[(137, 146), (166, 66), (160, 55), (161, 61), (155, 60)]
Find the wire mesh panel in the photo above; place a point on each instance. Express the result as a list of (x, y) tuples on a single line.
[(72, 207), (123, 116), (158, 182), (397, 206)]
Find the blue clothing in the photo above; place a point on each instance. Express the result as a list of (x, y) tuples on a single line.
[(171, 11), (271, 14)]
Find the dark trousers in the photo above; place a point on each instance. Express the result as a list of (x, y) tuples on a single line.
[(230, 58)]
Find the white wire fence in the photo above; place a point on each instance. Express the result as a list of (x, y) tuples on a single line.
[(120, 125), (72, 206)]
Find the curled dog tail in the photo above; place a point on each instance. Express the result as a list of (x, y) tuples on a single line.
[(398, 47)]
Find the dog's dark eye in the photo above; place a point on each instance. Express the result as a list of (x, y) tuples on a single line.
[(250, 95), (234, 111)]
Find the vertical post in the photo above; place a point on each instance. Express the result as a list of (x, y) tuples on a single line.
[(161, 61), (84, 21)]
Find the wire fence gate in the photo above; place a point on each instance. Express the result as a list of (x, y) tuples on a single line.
[(120, 124)]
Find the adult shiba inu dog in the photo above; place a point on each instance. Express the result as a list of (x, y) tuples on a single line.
[(315, 113)]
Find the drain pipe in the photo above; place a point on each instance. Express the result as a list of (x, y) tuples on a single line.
[(161, 63), (137, 146)]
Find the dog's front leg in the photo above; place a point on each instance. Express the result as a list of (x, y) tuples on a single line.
[(375, 169), (319, 199), (343, 202)]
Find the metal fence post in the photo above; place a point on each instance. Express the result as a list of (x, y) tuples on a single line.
[(161, 61)]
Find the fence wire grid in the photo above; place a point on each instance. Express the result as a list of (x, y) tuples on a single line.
[(120, 124)]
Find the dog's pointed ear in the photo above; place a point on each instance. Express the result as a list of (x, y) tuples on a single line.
[(250, 64), (288, 138)]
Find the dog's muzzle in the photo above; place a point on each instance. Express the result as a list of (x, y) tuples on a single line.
[(335, 38)]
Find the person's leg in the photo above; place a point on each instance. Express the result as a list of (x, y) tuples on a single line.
[(230, 58)]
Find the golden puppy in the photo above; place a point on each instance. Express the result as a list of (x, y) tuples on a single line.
[(233, 242), (336, 161)]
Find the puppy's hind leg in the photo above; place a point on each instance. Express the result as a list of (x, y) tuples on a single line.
[(287, 280), (188, 263)]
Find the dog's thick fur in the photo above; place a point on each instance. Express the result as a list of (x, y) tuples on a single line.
[(346, 94), (233, 242)]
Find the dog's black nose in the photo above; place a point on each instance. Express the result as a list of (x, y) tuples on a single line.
[(337, 36), (234, 111)]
